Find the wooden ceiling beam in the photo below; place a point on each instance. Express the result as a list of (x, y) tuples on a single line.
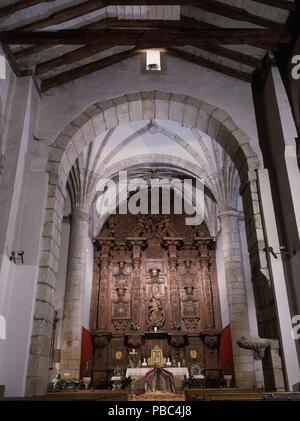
[(146, 39), (234, 55), (184, 24), (27, 52), (67, 59), (218, 67), (237, 13), (85, 70), (213, 6), (19, 5), (64, 15), (85, 52), (280, 4), (205, 25)]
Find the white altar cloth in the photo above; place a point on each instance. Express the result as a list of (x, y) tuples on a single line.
[(142, 371)]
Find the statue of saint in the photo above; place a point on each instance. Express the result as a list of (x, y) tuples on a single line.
[(154, 273), (156, 316)]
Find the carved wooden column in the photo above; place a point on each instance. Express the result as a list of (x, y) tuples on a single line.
[(95, 288), (137, 245), (207, 288), (101, 342), (211, 341), (172, 244), (103, 297)]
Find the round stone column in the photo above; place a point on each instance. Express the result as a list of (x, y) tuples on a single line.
[(237, 298), (73, 303)]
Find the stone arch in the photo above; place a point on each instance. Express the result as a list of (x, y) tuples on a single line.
[(95, 120), (179, 164), (188, 111), (185, 110)]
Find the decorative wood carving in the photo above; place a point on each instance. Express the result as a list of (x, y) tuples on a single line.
[(177, 340), (137, 244), (121, 298), (134, 340), (172, 244), (151, 274), (101, 340), (105, 246), (155, 311), (211, 341)]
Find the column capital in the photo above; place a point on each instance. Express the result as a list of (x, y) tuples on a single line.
[(137, 244), (229, 212), (80, 214), (204, 260)]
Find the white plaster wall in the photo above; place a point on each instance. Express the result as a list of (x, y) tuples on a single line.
[(4, 83), (21, 291), (22, 205), (6, 91), (60, 105), (8, 230)]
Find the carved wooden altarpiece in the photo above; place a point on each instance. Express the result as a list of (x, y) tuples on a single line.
[(153, 272)]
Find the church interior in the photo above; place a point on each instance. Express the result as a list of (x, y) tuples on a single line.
[(133, 296)]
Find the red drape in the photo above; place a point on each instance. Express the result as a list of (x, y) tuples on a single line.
[(86, 351), (226, 352)]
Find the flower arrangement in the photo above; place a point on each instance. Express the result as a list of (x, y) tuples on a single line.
[(176, 326), (60, 384), (126, 382), (197, 368), (134, 327), (189, 383)]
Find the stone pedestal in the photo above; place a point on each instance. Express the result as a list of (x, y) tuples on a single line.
[(72, 323), (237, 298)]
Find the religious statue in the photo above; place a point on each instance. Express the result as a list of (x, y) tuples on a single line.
[(154, 273), (156, 315)]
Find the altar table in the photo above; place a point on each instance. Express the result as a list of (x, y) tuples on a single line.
[(142, 371), (138, 375)]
